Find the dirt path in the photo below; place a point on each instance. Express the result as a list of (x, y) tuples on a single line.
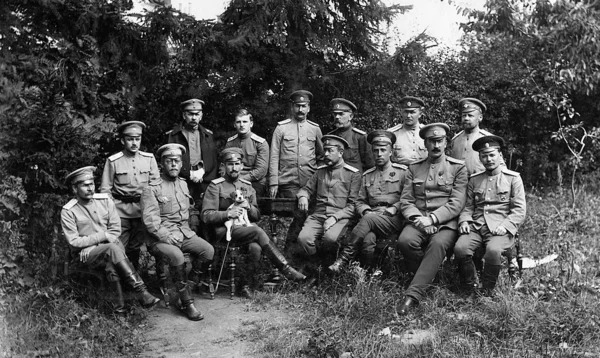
[(171, 334)]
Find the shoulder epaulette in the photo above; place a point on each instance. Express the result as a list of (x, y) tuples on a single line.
[(285, 121), (101, 196), (70, 204), (505, 170), (322, 166), (399, 166), (257, 138), (419, 161), (359, 131), (155, 182), (369, 171), (457, 134), (313, 123), (232, 138), (208, 130), (395, 128), (146, 154), (245, 181), (115, 156), (476, 174), (454, 160), (168, 132), (351, 168), (218, 180), (484, 132)]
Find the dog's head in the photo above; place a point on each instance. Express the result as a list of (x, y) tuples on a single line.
[(237, 196)]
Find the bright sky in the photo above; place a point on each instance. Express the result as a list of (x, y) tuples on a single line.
[(437, 17)]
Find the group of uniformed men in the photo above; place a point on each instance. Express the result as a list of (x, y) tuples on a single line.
[(393, 182)]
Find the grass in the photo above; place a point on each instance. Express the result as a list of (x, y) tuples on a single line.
[(555, 311)]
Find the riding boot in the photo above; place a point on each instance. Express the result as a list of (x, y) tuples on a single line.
[(133, 279), (368, 261), (134, 258), (281, 263), (199, 276), (489, 277), (347, 253), (187, 302), (161, 274), (119, 301), (468, 276)]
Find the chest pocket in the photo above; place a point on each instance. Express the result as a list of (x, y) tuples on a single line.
[(165, 204), (418, 186), (479, 195), (445, 183), (250, 158), (503, 194), (393, 185), (122, 177), (289, 143)]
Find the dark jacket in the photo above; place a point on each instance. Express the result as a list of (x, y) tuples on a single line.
[(209, 152)]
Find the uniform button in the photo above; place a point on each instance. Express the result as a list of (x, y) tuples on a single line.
[(429, 201), (489, 189), (430, 179), (300, 155), (428, 191)]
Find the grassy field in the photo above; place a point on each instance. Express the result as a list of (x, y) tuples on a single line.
[(554, 312)]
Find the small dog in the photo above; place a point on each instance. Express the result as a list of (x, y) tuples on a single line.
[(242, 220)]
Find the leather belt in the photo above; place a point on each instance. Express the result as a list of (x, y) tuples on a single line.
[(387, 205), (127, 198)]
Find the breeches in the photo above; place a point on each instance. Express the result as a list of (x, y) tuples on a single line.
[(197, 247), (494, 245), (106, 256), (133, 233), (378, 224), (313, 231), (253, 236)]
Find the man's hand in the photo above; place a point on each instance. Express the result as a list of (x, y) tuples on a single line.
[(430, 230), (367, 212), (234, 212), (464, 227), (303, 203), (422, 222), (111, 239), (390, 211), (273, 191), (197, 175), (500, 231), (85, 253), (329, 222)]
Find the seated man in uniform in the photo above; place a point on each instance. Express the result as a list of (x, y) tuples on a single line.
[(335, 186), (378, 203), (495, 208), (216, 211), (92, 226), (165, 212)]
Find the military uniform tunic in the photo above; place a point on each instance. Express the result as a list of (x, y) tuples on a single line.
[(492, 200), (294, 150), (435, 188), (336, 190), (87, 224), (409, 146), (256, 157), (124, 177), (359, 153), (462, 148)]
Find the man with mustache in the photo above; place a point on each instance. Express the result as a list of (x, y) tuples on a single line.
[(335, 187), (125, 175), (165, 212), (494, 211), (216, 211), (92, 226), (199, 165), (432, 199), (359, 153), (409, 147), (255, 149), (378, 203), (471, 114)]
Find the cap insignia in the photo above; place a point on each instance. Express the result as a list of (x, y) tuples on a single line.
[(301, 98), (337, 106), (487, 145), (409, 103), (435, 132)]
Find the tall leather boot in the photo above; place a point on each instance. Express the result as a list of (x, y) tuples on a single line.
[(281, 263), (187, 302), (119, 301), (348, 252), (368, 261), (198, 276), (133, 279), (490, 277), (468, 277), (161, 274), (134, 258)]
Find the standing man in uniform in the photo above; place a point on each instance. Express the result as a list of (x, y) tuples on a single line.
[(359, 153), (216, 211), (378, 203), (432, 199), (295, 147), (125, 175), (335, 186), (494, 211), (165, 211), (92, 226), (200, 157), (471, 114), (255, 149), (409, 147)]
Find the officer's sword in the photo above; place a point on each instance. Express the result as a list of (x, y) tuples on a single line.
[(222, 265)]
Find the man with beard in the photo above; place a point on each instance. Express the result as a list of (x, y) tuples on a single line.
[(378, 203), (432, 198), (359, 153), (409, 147), (217, 209), (199, 165), (125, 175), (494, 211), (335, 186), (471, 114), (92, 226), (255, 149), (165, 212)]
